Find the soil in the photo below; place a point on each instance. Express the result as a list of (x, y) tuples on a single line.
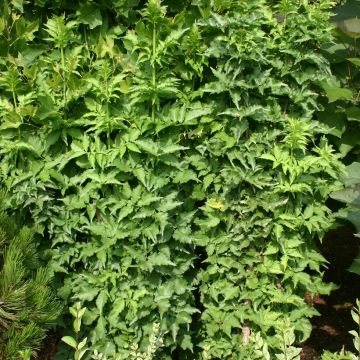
[(331, 328), (49, 346)]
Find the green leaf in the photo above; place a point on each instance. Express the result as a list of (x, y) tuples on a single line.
[(352, 176), (346, 10), (185, 176), (29, 55), (82, 353), (101, 301), (69, 341), (210, 222), (183, 318), (355, 61), (140, 175), (348, 141), (335, 92), (90, 14), (59, 31), (18, 5), (353, 26), (90, 316), (117, 307), (348, 196), (355, 266), (335, 120), (229, 141), (169, 149), (186, 343), (161, 259), (353, 114), (230, 322), (148, 146), (352, 215), (100, 329), (82, 344), (87, 293)]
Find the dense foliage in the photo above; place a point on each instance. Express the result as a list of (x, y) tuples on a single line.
[(169, 155), (27, 304), (80, 349)]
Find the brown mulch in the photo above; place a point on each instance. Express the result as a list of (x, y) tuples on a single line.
[(49, 346)]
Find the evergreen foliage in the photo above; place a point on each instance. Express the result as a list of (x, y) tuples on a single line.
[(27, 305), (170, 154)]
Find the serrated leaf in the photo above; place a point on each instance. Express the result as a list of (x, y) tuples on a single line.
[(87, 293), (215, 204), (355, 61), (353, 113), (355, 266), (230, 322), (101, 300), (148, 146), (141, 175), (335, 92), (100, 329), (352, 176), (117, 307), (18, 5), (160, 259), (186, 343), (348, 196), (185, 176), (169, 149)]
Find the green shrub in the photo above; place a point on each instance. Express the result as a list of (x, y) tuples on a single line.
[(27, 304), (170, 155), (343, 355), (79, 346)]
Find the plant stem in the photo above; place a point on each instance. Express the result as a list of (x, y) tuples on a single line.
[(14, 99), (358, 311), (108, 120), (153, 70), (64, 79), (285, 348)]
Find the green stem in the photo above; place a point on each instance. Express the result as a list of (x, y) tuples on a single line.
[(14, 99), (358, 311), (285, 348), (76, 355), (153, 69), (64, 79), (108, 119)]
